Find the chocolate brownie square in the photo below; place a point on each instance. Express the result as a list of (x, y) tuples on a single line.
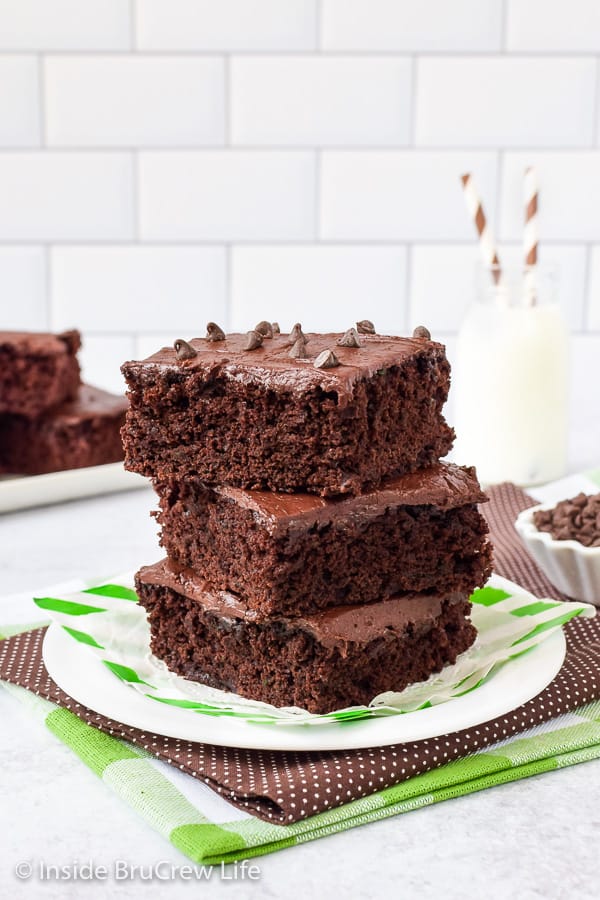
[(263, 420), (326, 661), (37, 371), (296, 553), (82, 432)]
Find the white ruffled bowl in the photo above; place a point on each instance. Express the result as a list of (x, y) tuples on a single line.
[(571, 567)]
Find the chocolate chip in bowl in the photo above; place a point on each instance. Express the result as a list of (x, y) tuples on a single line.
[(577, 519), (564, 540)]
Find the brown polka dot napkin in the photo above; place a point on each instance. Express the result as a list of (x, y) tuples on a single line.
[(284, 787)]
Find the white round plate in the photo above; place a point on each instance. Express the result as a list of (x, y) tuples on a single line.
[(89, 682)]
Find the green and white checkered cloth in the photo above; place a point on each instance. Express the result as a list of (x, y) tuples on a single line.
[(209, 830)]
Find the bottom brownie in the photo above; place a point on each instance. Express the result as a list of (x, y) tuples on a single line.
[(330, 660), (82, 432)]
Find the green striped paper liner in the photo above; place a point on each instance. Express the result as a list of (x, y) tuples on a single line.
[(208, 830), (107, 622)]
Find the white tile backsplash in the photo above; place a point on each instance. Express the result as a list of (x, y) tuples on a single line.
[(108, 289), (505, 102), (227, 196), (310, 101), (326, 288), (66, 196), (593, 320), (226, 25), (23, 303), (568, 208), (446, 278), (147, 344), (167, 162), (65, 25), (101, 357), (19, 101), (553, 25), (112, 101), (407, 25), (401, 195)]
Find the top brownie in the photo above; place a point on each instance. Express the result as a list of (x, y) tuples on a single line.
[(261, 419), (37, 371)]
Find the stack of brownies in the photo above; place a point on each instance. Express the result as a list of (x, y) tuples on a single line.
[(318, 552), (49, 420)]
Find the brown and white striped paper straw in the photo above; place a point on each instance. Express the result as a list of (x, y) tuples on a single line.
[(531, 218), (486, 240), (530, 234)]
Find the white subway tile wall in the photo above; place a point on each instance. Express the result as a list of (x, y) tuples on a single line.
[(167, 162)]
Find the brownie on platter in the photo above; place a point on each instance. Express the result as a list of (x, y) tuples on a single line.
[(37, 371), (329, 660), (82, 432), (326, 414), (297, 553)]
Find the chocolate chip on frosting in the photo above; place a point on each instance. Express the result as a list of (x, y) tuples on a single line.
[(214, 333), (275, 327), (264, 328), (365, 326), (422, 333), (326, 360), (350, 339), (254, 340), (183, 350), (296, 333), (298, 350)]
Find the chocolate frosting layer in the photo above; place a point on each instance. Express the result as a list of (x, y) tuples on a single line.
[(444, 485), (37, 343), (90, 402), (332, 628), (271, 366)]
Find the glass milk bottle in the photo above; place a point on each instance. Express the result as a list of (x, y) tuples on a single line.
[(510, 378)]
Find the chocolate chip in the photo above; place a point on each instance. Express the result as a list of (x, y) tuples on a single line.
[(298, 350), (422, 333), (365, 326), (575, 519), (296, 333), (264, 328), (350, 339), (275, 327), (183, 350), (214, 333), (254, 340), (326, 360)]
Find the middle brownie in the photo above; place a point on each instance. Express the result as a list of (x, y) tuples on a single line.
[(296, 553)]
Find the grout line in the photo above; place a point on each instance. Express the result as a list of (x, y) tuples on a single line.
[(595, 122), (318, 26), (587, 296), (275, 243), (318, 195), (41, 83), (504, 27), (499, 185), (441, 333), (228, 286), (227, 105), (49, 291), (400, 148), (408, 310), (135, 196), (414, 73), (132, 25), (173, 52)]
